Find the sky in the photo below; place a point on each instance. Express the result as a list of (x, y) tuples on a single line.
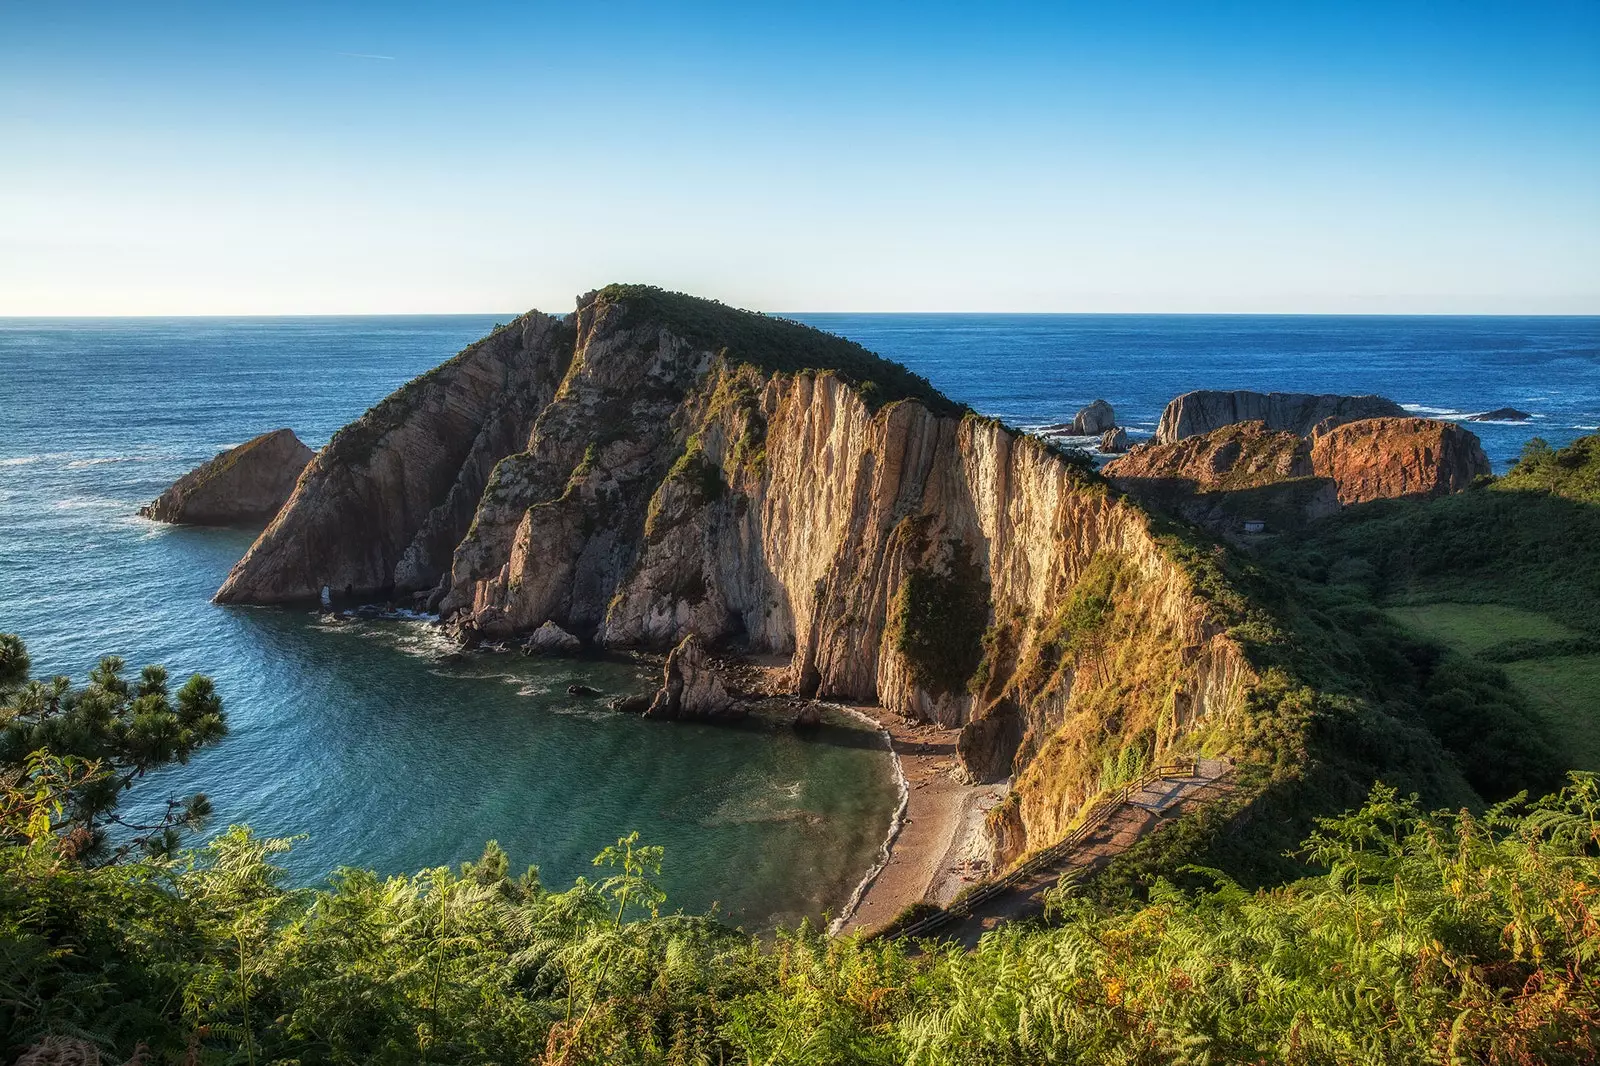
[(287, 158)]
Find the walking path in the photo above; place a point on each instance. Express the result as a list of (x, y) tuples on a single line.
[(1110, 829)]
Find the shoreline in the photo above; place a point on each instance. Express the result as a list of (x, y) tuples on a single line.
[(931, 831)]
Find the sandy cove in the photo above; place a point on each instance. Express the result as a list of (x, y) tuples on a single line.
[(931, 856)]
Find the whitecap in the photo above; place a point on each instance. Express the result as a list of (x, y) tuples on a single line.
[(21, 460), (1442, 412)]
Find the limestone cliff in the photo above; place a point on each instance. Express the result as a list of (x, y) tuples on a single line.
[(691, 471), (1200, 412), (243, 485)]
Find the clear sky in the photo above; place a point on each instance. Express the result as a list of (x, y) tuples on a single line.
[(162, 158)]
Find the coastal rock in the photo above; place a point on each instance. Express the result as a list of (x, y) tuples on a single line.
[(1500, 414), (1241, 455), (379, 511), (551, 639), (1196, 413), (690, 687), (243, 485), (1114, 441), (699, 474), (1094, 420), (1388, 458)]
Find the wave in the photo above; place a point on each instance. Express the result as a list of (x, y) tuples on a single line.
[(1434, 412), (104, 460)]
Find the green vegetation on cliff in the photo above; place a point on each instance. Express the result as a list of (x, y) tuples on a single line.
[(775, 345)]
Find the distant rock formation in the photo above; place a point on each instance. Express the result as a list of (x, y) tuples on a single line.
[(690, 687), (1249, 472), (1196, 413), (1501, 414), (1094, 420), (1390, 458), (1114, 441), (241, 486)]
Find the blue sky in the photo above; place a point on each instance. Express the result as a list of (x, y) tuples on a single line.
[(1396, 157)]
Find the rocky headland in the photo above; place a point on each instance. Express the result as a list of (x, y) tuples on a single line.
[(244, 485), (663, 473)]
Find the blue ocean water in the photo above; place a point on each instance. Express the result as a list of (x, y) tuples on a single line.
[(360, 738)]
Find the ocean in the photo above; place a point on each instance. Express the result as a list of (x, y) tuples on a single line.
[(360, 741)]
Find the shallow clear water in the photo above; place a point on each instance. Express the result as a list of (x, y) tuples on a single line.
[(360, 738)]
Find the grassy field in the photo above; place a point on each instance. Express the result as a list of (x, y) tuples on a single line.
[(1563, 689), (1476, 627)]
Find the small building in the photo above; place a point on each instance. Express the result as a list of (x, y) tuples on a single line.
[(1254, 525)]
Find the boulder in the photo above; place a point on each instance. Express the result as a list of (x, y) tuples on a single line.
[(551, 639), (1114, 441), (1387, 458), (635, 703), (1094, 420), (1501, 414), (582, 690), (1201, 412), (246, 485), (690, 687)]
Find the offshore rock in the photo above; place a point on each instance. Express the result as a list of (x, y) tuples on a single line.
[(1094, 420), (380, 510), (1500, 414), (1114, 441), (690, 687), (1389, 458), (1196, 413), (551, 639), (243, 485)]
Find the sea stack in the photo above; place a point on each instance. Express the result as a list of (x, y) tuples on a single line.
[(246, 485), (1200, 412)]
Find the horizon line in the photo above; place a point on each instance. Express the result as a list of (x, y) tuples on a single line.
[(8, 317)]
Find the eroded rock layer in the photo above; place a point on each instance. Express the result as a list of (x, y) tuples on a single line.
[(692, 473), (1200, 412), (1389, 458), (243, 485)]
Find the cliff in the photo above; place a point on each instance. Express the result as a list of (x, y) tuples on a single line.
[(1196, 413), (691, 471), (1247, 471), (241, 486), (1391, 458), (380, 509)]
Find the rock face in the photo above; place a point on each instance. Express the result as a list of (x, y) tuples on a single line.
[(691, 476), (1114, 441), (241, 486), (1094, 420), (690, 688), (551, 639), (1196, 413), (1247, 471), (379, 511), (1388, 458)]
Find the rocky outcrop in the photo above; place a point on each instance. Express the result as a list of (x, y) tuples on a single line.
[(1389, 458), (241, 486), (1114, 441), (551, 639), (690, 686), (1094, 420), (1236, 456), (1197, 413), (380, 510), (1500, 414), (692, 476)]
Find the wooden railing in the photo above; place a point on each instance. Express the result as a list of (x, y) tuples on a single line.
[(1046, 858)]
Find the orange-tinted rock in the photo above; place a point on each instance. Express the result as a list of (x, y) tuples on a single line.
[(1387, 458), (1243, 455)]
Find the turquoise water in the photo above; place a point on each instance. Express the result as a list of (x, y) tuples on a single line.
[(357, 736), (360, 738)]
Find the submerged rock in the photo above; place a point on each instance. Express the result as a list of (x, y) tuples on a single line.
[(582, 690), (241, 486), (1203, 411), (1093, 420)]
